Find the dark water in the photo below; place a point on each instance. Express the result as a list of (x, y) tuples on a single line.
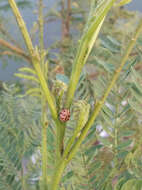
[(51, 34)]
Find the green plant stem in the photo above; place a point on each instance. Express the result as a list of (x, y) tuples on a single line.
[(99, 104), (116, 135), (77, 130), (44, 148), (23, 179), (85, 47), (97, 108), (35, 57), (44, 143), (22, 26), (43, 102), (41, 24), (57, 175), (35, 61), (86, 169), (86, 44)]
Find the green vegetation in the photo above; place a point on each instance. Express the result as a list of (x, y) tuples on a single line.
[(39, 150)]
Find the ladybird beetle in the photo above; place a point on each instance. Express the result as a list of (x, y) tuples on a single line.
[(64, 115)]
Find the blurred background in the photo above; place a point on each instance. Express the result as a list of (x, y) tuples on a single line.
[(52, 30)]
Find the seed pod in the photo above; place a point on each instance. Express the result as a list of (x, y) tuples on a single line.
[(64, 115)]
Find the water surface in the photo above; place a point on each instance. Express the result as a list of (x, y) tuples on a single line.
[(51, 34)]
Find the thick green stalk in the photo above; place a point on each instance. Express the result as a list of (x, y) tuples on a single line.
[(58, 174), (22, 26), (97, 108), (44, 148), (23, 178), (108, 90), (77, 130), (35, 57), (43, 103), (86, 44), (84, 50), (35, 61), (63, 163)]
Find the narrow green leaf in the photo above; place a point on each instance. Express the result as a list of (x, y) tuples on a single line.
[(111, 44), (135, 106), (135, 77), (108, 130), (127, 133), (107, 119), (105, 141), (136, 94), (67, 176), (33, 91), (125, 144), (120, 183), (133, 184), (107, 66), (122, 154), (23, 76), (28, 70)]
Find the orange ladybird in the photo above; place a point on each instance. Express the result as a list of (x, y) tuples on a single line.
[(64, 115)]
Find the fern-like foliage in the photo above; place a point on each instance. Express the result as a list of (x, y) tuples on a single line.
[(19, 136), (110, 157)]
